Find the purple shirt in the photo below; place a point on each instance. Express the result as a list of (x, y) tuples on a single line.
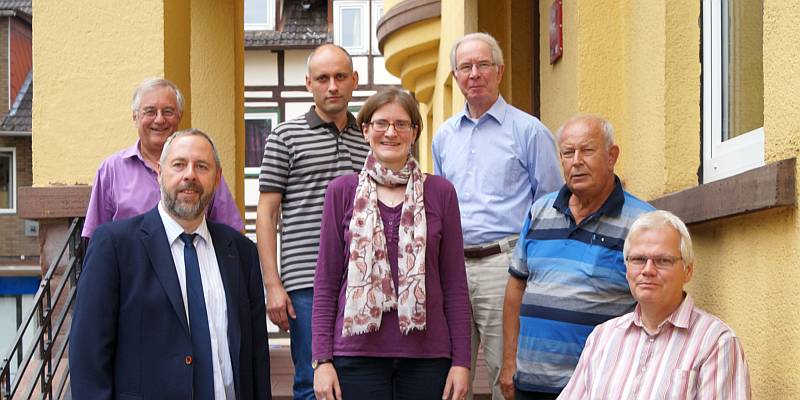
[(447, 334), (125, 187)]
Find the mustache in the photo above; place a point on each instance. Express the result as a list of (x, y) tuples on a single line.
[(190, 186)]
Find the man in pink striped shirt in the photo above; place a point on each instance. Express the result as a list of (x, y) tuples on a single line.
[(666, 348)]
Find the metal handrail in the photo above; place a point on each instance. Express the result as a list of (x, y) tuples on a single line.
[(51, 331)]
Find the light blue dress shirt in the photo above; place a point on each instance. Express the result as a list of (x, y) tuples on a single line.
[(499, 164)]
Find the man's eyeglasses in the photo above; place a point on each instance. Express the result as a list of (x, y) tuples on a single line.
[(662, 262), (466, 69), (153, 112), (382, 125)]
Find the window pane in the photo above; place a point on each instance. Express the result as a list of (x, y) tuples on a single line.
[(743, 75), (256, 131), (255, 11), (6, 180), (351, 27)]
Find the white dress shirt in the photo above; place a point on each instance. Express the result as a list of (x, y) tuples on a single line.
[(214, 293)]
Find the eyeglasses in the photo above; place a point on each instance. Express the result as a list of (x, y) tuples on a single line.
[(466, 69), (153, 112), (661, 262), (382, 125)]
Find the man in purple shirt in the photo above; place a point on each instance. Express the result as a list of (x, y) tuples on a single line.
[(126, 183)]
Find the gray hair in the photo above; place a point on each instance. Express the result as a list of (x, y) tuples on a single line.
[(497, 53), (151, 83), (605, 127), (657, 219), (189, 132), (314, 53)]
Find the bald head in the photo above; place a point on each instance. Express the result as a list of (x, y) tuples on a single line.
[(592, 121), (327, 52)]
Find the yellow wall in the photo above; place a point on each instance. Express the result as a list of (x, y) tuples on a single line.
[(90, 55), (217, 74), (638, 64), (643, 73), (85, 70)]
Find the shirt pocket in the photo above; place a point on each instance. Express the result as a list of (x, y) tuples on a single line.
[(506, 174), (683, 385)]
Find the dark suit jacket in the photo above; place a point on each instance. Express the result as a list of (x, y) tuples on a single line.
[(130, 338)]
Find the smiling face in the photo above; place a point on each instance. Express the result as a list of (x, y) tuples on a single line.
[(588, 165), (157, 118), (390, 148), (188, 176), (651, 286), (331, 80), (481, 88)]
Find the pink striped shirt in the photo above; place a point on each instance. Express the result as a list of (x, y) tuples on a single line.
[(693, 355)]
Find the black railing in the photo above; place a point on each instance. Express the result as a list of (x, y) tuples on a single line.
[(41, 370)]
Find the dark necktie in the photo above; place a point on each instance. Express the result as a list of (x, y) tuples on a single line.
[(198, 323)]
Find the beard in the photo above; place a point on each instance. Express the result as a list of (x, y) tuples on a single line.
[(183, 209)]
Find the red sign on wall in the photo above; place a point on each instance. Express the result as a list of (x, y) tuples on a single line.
[(556, 37)]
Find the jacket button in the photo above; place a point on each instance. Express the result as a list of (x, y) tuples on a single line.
[(188, 360)]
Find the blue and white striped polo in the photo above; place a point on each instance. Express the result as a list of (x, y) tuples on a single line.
[(575, 280)]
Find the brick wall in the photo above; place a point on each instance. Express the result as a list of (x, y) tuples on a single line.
[(5, 102), (13, 241)]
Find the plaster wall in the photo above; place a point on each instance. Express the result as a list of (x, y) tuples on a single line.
[(260, 68), (85, 71), (296, 76), (218, 108)]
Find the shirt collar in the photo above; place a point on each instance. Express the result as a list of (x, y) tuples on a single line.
[(314, 121), (174, 229), (135, 152), (680, 318), (611, 207), (496, 111)]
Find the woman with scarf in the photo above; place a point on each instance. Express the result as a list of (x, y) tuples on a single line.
[(391, 310)]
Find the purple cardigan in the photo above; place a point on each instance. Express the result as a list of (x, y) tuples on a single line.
[(447, 334)]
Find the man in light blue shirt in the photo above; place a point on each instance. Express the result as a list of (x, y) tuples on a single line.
[(500, 160)]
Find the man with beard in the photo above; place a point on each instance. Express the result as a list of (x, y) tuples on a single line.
[(170, 305), (126, 183)]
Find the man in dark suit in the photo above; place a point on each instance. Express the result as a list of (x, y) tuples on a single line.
[(169, 305)]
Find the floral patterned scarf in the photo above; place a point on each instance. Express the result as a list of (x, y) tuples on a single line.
[(370, 289)]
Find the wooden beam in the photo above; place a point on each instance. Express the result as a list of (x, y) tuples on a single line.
[(763, 188)]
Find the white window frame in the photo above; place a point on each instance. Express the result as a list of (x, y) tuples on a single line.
[(270, 115), (13, 177), (377, 12), (361, 5), (267, 25), (722, 159)]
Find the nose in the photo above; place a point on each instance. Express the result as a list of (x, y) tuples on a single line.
[(473, 71), (390, 129), (159, 117), (189, 173), (333, 87), (649, 267)]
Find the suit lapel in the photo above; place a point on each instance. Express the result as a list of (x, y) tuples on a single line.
[(154, 238), (229, 269)]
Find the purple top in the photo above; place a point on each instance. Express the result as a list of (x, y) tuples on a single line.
[(125, 187), (447, 334)]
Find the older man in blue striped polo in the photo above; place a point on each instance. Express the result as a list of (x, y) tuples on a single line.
[(567, 272)]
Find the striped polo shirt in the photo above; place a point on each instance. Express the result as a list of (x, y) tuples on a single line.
[(575, 280), (301, 157)]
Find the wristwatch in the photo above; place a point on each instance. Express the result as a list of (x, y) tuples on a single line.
[(317, 363)]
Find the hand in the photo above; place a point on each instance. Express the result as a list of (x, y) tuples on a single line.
[(506, 379), (326, 383), (279, 305), (457, 384)]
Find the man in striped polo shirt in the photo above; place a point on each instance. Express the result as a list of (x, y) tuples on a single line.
[(567, 272), (300, 158)]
